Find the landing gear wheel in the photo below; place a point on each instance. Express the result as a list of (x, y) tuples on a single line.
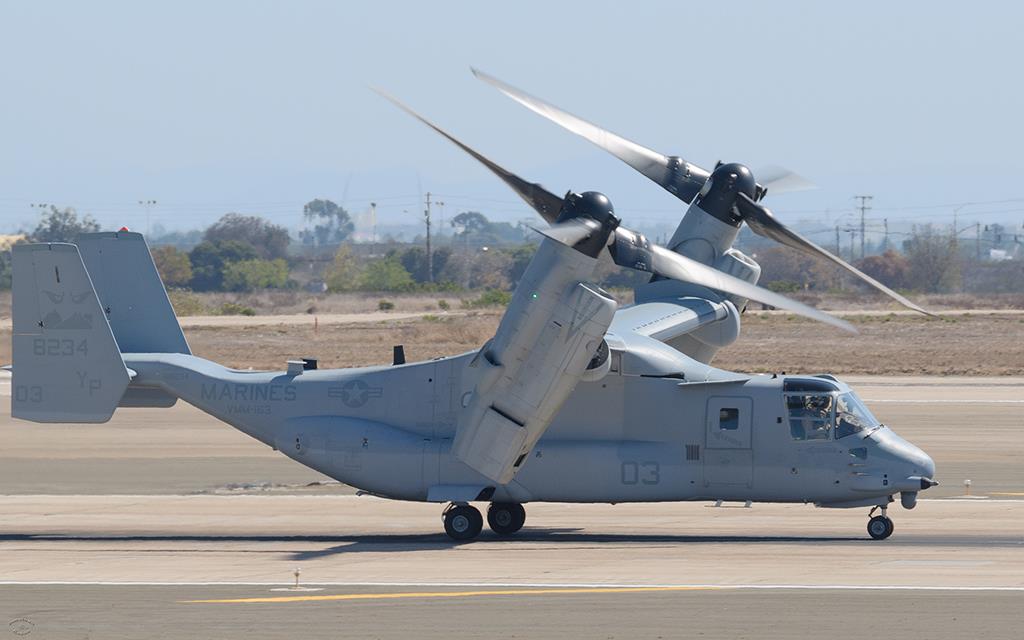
[(880, 527), (463, 522), (505, 518)]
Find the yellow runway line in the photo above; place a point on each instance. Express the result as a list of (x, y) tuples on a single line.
[(445, 594)]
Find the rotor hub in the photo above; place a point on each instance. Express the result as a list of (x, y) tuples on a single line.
[(590, 205), (719, 193)]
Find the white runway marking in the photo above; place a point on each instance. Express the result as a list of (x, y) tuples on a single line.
[(529, 585)]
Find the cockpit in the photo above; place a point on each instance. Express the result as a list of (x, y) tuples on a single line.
[(819, 410)]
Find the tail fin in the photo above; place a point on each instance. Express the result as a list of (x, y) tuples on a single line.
[(67, 367), (131, 292)]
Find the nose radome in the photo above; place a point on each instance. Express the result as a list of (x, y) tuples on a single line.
[(928, 466), (920, 463)]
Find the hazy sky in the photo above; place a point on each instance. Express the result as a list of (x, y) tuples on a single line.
[(258, 107)]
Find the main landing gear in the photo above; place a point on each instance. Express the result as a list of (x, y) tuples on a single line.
[(464, 522), (880, 527), (505, 518)]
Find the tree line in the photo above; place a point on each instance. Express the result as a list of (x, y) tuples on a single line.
[(245, 253)]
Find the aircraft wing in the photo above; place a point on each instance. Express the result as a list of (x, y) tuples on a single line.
[(667, 319)]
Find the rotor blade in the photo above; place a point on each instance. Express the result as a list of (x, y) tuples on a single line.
[(682, 179), (632, 250), (781, 180), (541, 200), (763, 223), (571, 232)]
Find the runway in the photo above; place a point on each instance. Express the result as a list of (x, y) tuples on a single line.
[(135, 612), (124, 529)]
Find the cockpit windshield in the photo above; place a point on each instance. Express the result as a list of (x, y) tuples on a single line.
[(819, 416), (852, 416)]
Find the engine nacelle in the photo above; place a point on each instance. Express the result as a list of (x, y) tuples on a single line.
[(550, 334)]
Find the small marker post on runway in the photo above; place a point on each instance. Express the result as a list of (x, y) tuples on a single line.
[(967, 487), (297, 572)]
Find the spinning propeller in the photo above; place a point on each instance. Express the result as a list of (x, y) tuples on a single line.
[(587, 222), (688, 181)]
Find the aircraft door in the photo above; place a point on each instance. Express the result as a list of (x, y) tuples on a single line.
[(728, 458)]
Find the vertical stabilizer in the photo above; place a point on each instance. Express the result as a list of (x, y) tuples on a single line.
[(131, 292), (67, 367)]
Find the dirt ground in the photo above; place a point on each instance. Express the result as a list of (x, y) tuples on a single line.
[(990, 344), (966, 343), (958, 342)]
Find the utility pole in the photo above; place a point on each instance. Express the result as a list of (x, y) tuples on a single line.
[(838, 250), (440, 226), (430, 255), (864, 208), (373, 223), (885, 243), (147, 204), (957, 230), (977, 240)]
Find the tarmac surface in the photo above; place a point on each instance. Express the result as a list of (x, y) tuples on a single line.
[(168, 523)]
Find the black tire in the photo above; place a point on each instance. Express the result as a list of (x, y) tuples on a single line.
[(463, 522), (505, 518), (880, 527)]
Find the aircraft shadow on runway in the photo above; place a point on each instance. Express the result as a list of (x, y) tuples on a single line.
[(397, 543)]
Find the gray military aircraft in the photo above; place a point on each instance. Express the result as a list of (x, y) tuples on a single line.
[(572, 400)]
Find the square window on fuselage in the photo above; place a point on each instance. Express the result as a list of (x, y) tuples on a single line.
[(729, 419)]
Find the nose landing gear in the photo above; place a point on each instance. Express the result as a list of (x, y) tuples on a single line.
[(880, 527)]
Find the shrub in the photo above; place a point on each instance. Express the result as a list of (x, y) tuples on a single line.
[(385, 305), (490, 298), (186, 303), (173, 265), (443, 305), (386, 274), (209, 260), (246, 275), (344, 272), (236, 309)]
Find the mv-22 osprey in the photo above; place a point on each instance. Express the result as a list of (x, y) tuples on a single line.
[(572, 400)]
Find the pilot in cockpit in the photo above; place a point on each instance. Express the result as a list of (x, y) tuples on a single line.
[(810, 419)]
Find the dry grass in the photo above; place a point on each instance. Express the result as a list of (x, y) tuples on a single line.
[(970, 344), (986, 344), (990, 344), (347, 345)]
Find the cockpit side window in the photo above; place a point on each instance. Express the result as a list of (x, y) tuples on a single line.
[(852, 416), (810, 416)]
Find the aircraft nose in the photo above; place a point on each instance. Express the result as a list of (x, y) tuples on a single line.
[(909, 456), (927, 466), (920, 463)]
